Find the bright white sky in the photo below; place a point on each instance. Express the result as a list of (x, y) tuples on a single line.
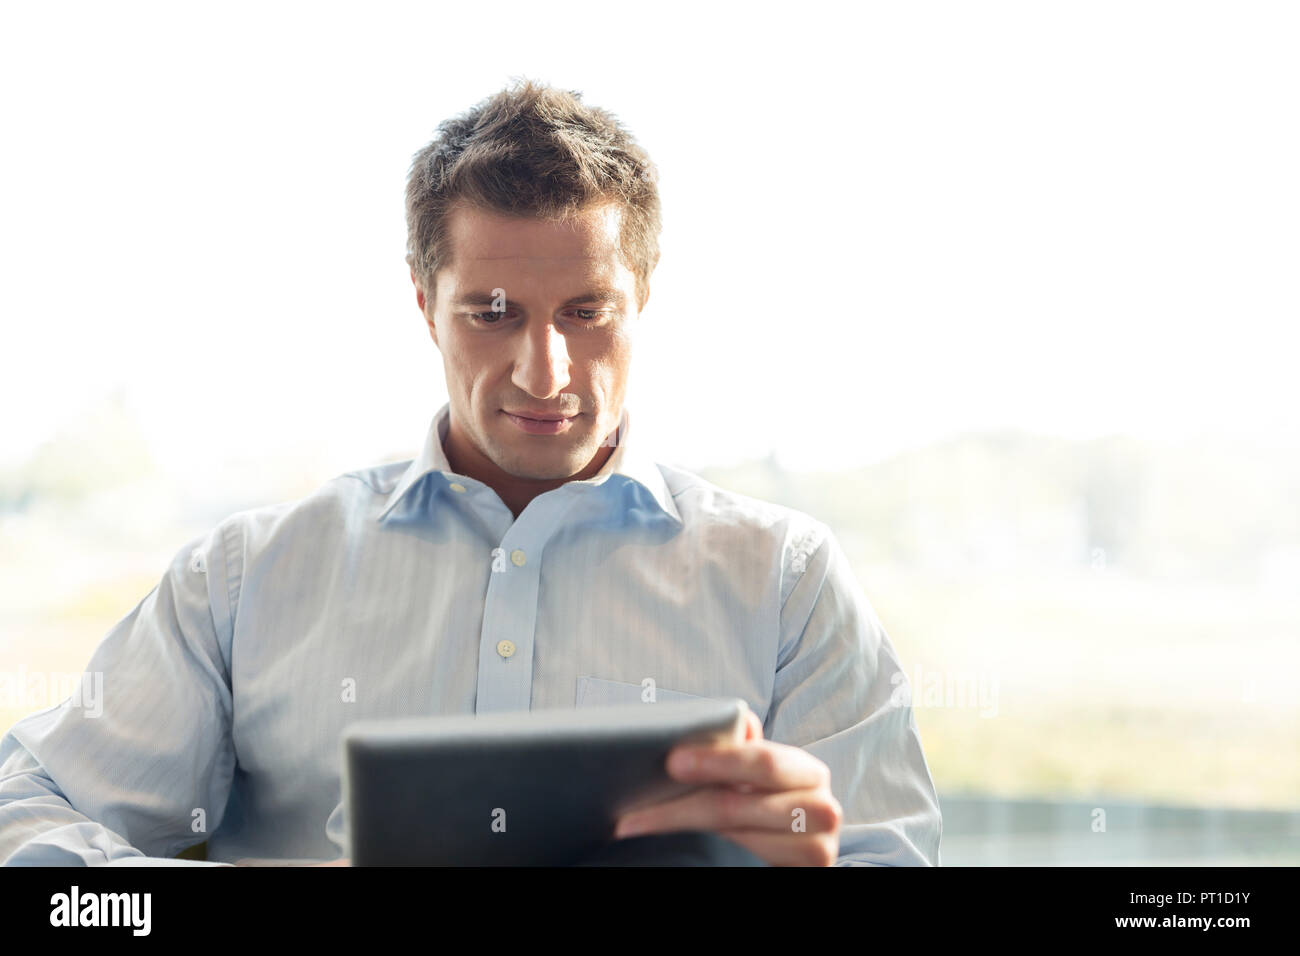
[(885, 223)]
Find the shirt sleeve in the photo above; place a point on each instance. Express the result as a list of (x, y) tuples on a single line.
[(837, 695), (137, 764)]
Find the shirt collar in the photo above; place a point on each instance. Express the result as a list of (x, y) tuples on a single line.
[(628, 464)]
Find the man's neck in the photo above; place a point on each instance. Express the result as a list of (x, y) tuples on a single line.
[(514, 492)]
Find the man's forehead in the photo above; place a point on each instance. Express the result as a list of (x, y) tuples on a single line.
[(534, 258), (478, 236)]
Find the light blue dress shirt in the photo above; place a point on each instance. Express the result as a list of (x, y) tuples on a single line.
[(407, 589)]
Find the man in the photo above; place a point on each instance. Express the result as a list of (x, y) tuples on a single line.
[(533, 555)]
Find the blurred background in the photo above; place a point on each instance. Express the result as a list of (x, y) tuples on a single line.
[(1003, 292)]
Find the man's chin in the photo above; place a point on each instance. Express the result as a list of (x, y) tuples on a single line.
[(534, 468)]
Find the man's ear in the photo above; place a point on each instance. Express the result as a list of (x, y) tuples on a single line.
[(419, 293), (420, 301)]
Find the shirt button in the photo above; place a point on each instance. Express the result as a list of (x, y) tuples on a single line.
[(517, 557), (457, 487), (506, 648)]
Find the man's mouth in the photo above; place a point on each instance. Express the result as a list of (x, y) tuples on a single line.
[(541, 423)]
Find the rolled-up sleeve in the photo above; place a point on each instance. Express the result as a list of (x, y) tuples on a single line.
[(836, 695), (137, 765)]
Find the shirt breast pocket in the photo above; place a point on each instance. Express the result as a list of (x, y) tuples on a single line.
[(597, 692)]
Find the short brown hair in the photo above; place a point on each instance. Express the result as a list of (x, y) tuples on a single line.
[(532, 150)]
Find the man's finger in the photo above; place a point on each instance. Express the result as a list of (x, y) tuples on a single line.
[(762, 764), (788, 849), (723, 808)]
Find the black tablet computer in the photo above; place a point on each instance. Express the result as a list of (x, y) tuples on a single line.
[(525, 788)]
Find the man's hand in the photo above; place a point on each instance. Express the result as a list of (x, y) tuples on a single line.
[(773, 799)]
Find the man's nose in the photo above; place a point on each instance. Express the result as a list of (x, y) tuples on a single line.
[(542, 368)]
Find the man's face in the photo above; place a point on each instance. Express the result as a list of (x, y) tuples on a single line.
[(557, 343)]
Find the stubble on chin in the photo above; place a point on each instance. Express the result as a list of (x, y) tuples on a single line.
[(538, 467)]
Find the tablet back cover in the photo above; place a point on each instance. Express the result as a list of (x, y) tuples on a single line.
[(540, 787)]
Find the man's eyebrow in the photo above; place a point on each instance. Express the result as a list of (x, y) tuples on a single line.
[(612, 295), (615, 296), (476, 298)]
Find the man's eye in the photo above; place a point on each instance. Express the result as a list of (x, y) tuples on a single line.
[(587, 316)]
